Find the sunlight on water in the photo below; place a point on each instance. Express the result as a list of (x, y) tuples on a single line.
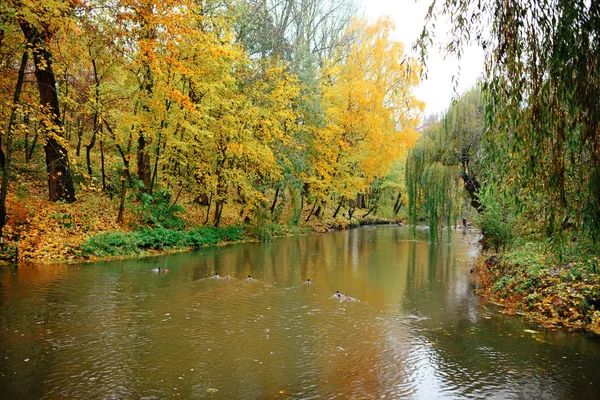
[(411, 326)]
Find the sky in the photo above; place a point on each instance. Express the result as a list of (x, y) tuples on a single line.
[(437, 91)]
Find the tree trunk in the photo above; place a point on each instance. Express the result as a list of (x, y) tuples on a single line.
[(29, 150), (155, 166), (360, 200), (275, 199), (208, 209), (311, 212), (79, 137), (126, 175), (218, 210), (318, 212), (398, 204), (60, 181), (7, 155), (337, 210), (102, 165), (143, 159), (472, 187), (90, 146)]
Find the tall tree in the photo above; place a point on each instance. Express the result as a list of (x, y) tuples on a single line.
[(542, 77), (39, 23)]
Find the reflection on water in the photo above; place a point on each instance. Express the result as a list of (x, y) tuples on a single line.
[(118, 330)]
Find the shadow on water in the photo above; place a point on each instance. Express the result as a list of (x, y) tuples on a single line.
[(119, 330)]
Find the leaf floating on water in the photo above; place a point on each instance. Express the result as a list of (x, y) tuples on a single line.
[(530, 331)]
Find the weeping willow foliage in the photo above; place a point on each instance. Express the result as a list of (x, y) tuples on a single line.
[(542, 80), (432, 182)]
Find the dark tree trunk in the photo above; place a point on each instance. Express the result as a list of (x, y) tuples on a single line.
[(79, 137), (155, 172), (360, 200), (398, 204), (311, 212), (318, 212), (125, 176), (29, 150), (7, 154), (472, 187), (60, 181), (90, 146), (337, 210), (275, 199), (143, 160), (208, 209), (102, 165), (218, 210)]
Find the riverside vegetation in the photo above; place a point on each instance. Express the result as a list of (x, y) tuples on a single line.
[(523, 151)]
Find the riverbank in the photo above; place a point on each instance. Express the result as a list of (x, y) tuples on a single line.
[(528, 282), (87, 230)]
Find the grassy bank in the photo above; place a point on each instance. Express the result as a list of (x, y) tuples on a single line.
[(530, 281)]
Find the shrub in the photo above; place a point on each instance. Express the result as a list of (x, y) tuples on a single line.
[(111, 244), (496, 222), (156, 210)]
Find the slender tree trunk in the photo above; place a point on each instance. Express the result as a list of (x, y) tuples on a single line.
[(398, 204), (208, 209), (29, 150), (218, 211), (7, 154), (79, 137), (96, 128), (124, 178), (155, 166), (60, 180), (102, 164), (311, 212), (275, 199), (337, 210)]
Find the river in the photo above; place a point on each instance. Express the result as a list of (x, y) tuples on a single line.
[(411, 327)]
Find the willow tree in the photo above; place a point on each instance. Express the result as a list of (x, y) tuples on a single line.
[(542, 77), (432, 179), (446, 160)]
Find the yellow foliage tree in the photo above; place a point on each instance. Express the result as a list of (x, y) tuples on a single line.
[(369, 110)]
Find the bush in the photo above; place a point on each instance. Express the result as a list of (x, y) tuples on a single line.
[(127, 243), (496, 222), (157, 211), (111, 244)]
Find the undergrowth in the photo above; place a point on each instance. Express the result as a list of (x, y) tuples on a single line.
[(128, 243)]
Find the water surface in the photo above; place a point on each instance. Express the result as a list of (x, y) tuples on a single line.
[(417, 330)]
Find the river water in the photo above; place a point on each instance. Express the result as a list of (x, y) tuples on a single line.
[(413, 328)]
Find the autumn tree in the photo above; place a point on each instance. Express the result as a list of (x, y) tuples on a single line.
[(370, 112), (40, 24)]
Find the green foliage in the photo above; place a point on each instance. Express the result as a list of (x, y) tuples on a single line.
[(263, 228), (296, 215), (128, 243), (496, 221), (111, 244), (156, 210), (542, 112)]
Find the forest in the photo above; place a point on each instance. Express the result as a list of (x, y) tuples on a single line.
[(138, 125), (184, 114)]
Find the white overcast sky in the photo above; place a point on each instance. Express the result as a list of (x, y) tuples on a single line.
[(437, 91)]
